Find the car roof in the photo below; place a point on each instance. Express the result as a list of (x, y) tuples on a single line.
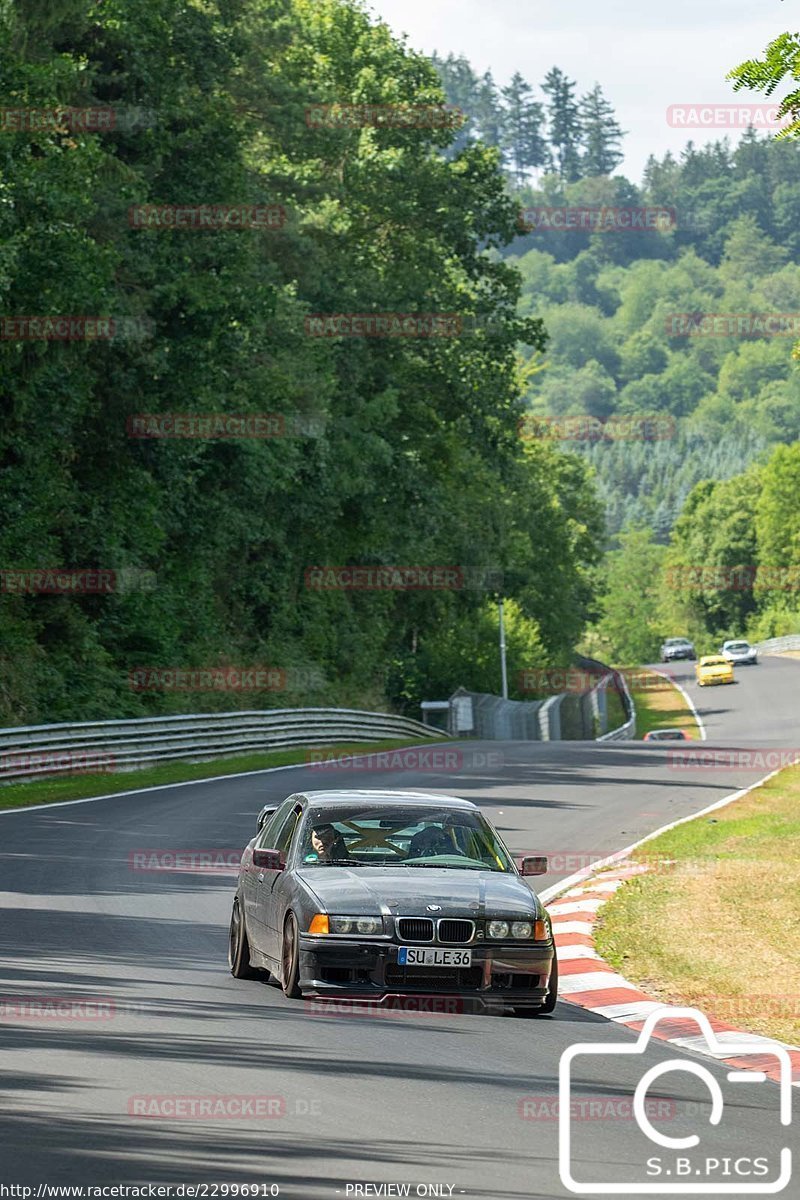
[(677, 639), (357, 795), (736, 642)]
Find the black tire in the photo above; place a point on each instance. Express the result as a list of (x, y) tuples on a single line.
[(550, 1000), (239, 946), (290, 959)]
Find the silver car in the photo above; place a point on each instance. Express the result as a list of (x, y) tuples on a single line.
[(739, 652)]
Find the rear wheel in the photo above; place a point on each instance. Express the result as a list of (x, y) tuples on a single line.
[(290, 958), (239, 947)]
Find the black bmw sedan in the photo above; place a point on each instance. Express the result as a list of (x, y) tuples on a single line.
[(372, 895)]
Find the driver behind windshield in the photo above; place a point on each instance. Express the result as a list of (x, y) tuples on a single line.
[(327, 846)]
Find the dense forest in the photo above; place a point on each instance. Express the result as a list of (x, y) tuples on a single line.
[(189, 412), (395, 451), (612, 301)]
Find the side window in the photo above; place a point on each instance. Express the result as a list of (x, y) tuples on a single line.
[(273, 825), (285, 835)]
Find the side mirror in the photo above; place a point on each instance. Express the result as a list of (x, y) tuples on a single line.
[(271, 860), (534, 865), (265, 815)]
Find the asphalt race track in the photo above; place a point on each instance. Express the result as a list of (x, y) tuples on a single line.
[(401, 1099)]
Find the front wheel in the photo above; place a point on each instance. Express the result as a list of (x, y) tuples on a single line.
[(290, 959), (239, 946), (545, 1009)]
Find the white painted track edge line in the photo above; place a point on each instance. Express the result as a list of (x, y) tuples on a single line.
[(687, 698), (620, 855)]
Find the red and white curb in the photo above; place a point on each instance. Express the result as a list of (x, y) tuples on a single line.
[(587, 980)]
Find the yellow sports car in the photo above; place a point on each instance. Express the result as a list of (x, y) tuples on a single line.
[(713, 669)]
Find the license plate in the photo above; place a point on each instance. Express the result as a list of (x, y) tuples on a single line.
[(411, 956)]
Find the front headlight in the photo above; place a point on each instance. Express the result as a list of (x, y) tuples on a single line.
[(498, 929), (521, 929), (367, 926)]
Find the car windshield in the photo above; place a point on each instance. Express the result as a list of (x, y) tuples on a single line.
[(665, 735), (738, 645), (714, 662), (415, 837), (677, 642)]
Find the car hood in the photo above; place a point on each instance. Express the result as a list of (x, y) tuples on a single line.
[(408, 891)]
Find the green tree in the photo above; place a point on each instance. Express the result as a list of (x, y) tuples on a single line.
[(564, 124), (524, 144), (630, 624), (601, 134)]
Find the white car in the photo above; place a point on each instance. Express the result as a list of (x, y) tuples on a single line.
[(739, 652)]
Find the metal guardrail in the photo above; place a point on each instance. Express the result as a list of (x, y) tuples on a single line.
[(776, 645), (37, 751), (628, 730)]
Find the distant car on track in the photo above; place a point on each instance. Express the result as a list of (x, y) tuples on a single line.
[(738, 652), (713, 669), (677, 647), (366, 895), (666, 735)]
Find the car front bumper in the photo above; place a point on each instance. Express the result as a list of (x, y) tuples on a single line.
[(368, 970)]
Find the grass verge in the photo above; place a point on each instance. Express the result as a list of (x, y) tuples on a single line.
[(716, 922), (81, 787), (660, 708)]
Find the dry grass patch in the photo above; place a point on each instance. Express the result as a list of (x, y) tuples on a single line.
[(721, 928)]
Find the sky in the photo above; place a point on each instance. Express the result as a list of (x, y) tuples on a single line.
[(645, 55)]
